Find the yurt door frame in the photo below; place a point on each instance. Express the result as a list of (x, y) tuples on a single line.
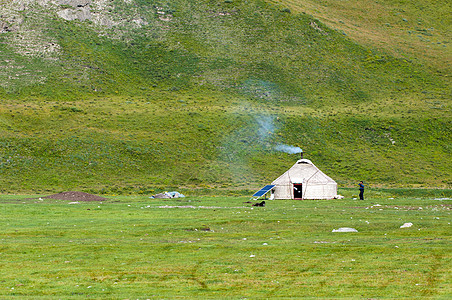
[(298, 191)]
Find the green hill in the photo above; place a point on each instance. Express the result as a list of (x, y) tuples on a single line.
[(135, 96)]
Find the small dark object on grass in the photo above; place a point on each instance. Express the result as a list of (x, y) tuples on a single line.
[(259, 204), (205, 228)]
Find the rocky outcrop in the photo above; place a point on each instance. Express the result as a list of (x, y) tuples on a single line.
[(85, 10), (10, 24), (75, 3), (81, 13), (75, 10), (4, 27)]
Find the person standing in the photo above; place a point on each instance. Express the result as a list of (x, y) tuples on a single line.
[(361, 190)]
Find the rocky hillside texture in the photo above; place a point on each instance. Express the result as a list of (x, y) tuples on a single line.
[(133, 96)]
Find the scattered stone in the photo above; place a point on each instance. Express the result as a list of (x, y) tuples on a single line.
[(75, 3), (178, 206), (406, 225), (345, 229)]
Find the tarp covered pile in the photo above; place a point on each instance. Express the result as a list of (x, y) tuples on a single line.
[(167, 195)]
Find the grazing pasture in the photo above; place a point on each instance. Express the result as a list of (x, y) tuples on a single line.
[(133, 247), (210, 89)]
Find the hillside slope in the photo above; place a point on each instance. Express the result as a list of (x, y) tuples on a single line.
[(416, 30), (130, 96)]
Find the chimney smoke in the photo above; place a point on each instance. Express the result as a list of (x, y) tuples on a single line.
[(288, 149)]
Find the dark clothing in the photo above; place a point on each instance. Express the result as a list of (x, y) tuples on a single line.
[(361, 191)]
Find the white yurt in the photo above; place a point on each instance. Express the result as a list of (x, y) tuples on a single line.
[(304, 181)]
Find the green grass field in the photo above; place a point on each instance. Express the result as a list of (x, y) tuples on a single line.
[(133, 247), (197, 94), (194, 96)]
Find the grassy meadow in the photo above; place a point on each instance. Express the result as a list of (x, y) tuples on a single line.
[(133, 247), (116, 145), (144, 96), (197, 94)]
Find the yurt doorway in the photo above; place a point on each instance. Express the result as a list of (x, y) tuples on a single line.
[(298, 191)]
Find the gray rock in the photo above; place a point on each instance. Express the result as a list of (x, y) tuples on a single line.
[(4, 27), (406, 225), (82, 14), (345, 229)]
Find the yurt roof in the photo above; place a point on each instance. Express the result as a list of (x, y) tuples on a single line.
[(304, 171)]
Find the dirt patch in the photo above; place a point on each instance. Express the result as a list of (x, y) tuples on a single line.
[(75, 196)]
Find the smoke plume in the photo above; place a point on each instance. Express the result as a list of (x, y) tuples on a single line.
[(288, 149), (266, 126)]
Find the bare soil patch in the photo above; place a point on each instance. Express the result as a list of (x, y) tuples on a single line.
[(75, 196)]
